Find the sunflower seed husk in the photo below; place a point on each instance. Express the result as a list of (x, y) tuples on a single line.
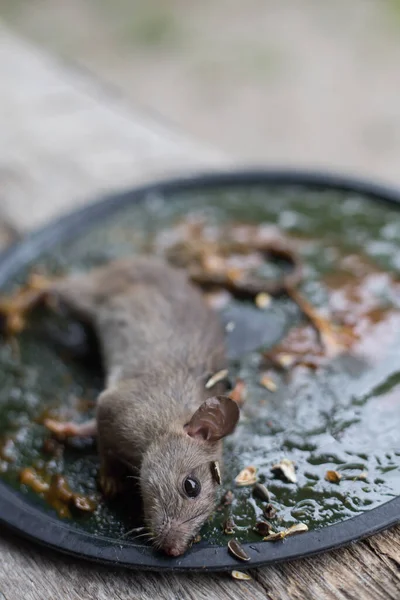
[(241, 576), (216, 472), (286, 469), (286, 360), (274, 537), (268, 383), (281, 535), (270, 511), (295, 529), (333, 476), (216, 378), (263, 300), (247, 476), (261, 492), (237, 551), (263, 528), (239, 392), (229, 526)]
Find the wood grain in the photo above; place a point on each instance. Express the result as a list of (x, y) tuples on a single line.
[(64, 139)]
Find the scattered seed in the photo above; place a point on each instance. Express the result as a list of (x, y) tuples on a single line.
[(197, 539), (30, 478), (281, 535), (286, 360), (263, 528), (263, 300), (230, 326), (216, 472), (270, 511), (268, 383), (237, 551), (83, 504), (274, 537), (59, 489), (285, 468), (295, 529), (239, 392), (241, 576), (216, 378), (229, 526), (333, 476), (247, 476), (261, 492)]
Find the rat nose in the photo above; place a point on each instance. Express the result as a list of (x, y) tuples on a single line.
[(173, 550)]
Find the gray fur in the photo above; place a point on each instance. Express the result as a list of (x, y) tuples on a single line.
[(160, 342)]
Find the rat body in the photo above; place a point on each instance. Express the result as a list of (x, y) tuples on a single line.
[(160, 343)]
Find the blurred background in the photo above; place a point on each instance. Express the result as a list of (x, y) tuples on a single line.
[(294, 82)]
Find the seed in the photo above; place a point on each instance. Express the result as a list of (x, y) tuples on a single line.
[(229, 526), (247, 476), (239, 392), (29, 477), (263, 528), (237, 551), (230, 326), (216, 378), (261, 492), (286, 360), (286, 469), (274, 537), (241, 576), (83, 504), (263, 300), (268, 383), (216, 471), (333, 476), (281, 535), (270, 511), (294, 529), (197, 539)]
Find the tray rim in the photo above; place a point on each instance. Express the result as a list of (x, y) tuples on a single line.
[(29, 521)]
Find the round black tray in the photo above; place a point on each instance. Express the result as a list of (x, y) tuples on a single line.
[(31, 522)]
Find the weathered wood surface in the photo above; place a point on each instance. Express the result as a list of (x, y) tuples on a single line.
[(64, 139)]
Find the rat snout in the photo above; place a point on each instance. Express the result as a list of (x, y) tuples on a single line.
[(173, 550), (174, 542)]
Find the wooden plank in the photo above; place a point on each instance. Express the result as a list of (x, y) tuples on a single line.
[(64, 138), (31, 573), (369, 569)]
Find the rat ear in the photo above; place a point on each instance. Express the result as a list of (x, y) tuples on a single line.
[(214, 419)]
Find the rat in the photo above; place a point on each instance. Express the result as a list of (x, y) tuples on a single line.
[(157, 419)]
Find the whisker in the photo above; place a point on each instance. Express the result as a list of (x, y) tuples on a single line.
[(133, 531), (195, 517)]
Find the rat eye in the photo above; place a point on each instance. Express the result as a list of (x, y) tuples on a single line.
[(191, 486)]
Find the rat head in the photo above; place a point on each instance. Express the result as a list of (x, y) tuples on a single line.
[(179, 475)]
